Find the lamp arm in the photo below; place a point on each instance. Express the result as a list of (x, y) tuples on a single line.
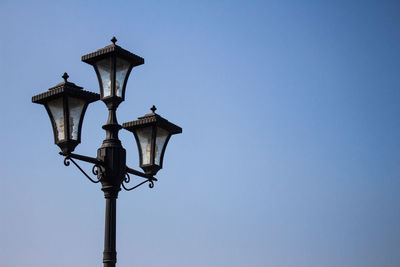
[(83, 158), (150, 179), (139, 173), (67, 160)]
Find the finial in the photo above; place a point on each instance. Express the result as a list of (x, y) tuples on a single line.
[(114, 40), (153, 109), (65, 76)]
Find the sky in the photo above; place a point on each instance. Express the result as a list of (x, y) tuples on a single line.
[(289, 154)]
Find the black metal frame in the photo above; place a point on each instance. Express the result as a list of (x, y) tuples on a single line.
[(110, 164)]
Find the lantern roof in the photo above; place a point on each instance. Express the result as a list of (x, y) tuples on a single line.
[(112, 49), (67, 88), (152, 119)]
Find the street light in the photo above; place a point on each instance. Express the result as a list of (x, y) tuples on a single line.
[(66, 104)]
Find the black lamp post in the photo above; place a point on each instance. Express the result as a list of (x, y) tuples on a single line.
[(66, 104)]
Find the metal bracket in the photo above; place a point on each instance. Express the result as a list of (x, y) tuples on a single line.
[(96, 168), (94, 171), (127, 179)]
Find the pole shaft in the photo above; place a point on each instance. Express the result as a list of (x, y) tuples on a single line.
[(110, 253)]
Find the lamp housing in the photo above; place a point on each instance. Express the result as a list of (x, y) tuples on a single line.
[(152, 133), (113, 65), (66, 105)]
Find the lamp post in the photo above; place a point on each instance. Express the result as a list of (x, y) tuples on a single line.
[(66, 104)]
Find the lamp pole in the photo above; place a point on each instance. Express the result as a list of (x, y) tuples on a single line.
[(66, 104), (113, 155)]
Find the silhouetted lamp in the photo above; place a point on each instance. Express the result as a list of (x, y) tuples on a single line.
[(152, 133), (113, 65), (66, 104)]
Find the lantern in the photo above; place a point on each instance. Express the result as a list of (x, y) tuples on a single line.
[(113, 65), (152, 133), (66, 104)]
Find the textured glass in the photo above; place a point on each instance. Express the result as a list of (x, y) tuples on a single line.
[(120, 74), (160, 142), (75, 111), (57, 111), (104, 68), (144, 136)]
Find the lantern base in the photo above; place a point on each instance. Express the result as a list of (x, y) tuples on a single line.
[(150, 169), (67, 146)]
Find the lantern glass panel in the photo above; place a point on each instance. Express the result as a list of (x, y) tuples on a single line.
[(104, 69), (144, 135), (122, 67), (162, 136), (75, 112), (57, 111)]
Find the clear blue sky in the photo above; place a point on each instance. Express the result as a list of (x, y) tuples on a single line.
[(290, 149)]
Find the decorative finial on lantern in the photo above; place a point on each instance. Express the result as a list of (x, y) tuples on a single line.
[(114, 40), (153, 109), (65, 76)]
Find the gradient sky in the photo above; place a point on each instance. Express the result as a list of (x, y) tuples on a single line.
[(290, 149)]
